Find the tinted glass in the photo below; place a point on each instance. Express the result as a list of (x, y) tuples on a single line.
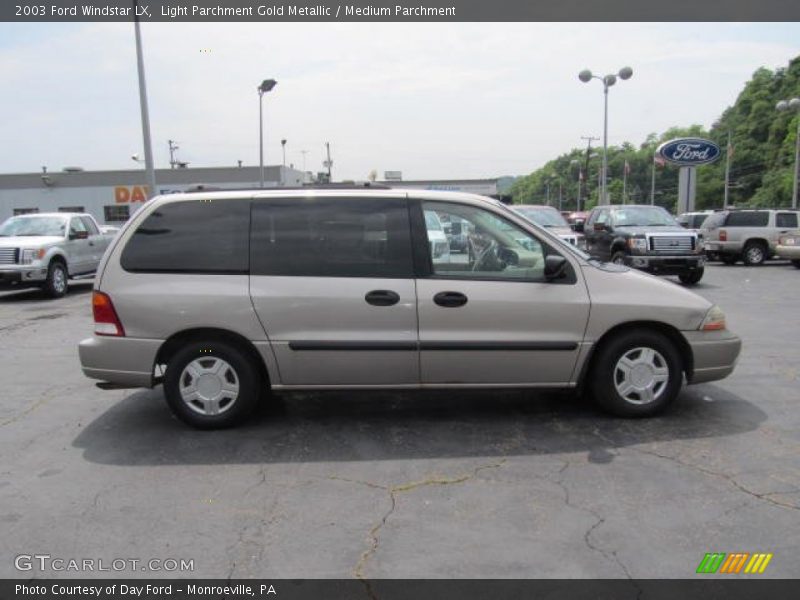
[(331, 237), (698, 221), (751, 218), (786, 220), (191, 237)]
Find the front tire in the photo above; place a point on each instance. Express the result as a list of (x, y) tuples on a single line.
[(211, 385), (636, 374), (56, 284), (692, 277), (796, 264), (618, 258)]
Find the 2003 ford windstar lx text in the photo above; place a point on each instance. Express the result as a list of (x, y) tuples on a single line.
[(222, 296)]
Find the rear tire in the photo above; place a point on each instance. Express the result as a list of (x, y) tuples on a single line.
[(754, 254), (636, 374), (212, 385), (692, 277), (56, 284)]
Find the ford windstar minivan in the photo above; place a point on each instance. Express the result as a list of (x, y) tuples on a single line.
[(223, 296)]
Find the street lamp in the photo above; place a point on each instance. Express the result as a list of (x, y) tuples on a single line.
[(793, 104), (586, 76), (266, 86)]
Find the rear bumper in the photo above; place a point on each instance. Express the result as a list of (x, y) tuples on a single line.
[(715, 354), (119, 360), (666, 265), (790, 252)]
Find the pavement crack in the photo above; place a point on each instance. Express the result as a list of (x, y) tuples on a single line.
[(765, 497), (393, 490)]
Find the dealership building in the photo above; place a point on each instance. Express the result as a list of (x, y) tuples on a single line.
[(112, 197)]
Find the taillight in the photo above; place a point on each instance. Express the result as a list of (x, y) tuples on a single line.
[(106, 321), (723, 235)]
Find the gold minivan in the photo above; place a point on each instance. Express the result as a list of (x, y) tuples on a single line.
[(223, 296)]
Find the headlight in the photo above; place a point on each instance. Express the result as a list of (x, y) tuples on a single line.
[(714, 321), (638, 244), (30, 255)]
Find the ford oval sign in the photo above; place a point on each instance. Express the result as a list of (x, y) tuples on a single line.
[(689, 152)]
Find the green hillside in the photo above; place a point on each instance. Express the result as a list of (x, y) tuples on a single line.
[(761, 166)]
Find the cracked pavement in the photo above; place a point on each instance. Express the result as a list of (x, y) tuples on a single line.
[(368, 485)]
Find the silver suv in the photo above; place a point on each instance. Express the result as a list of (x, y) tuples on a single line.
[(749, 235), (224, 296)]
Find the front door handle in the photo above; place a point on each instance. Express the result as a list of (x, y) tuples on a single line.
[(450, 299), (382, 298)]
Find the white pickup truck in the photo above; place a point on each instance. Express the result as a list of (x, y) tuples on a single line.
[(47, 249)]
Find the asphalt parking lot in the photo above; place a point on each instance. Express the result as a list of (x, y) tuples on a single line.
[(389, 485)]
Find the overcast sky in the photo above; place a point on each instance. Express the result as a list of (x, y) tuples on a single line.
[(457, 100)]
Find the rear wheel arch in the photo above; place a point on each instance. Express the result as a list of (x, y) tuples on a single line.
[(668, 331), (178, 340)]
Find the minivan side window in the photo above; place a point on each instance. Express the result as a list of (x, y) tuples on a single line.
[(331, 237), (496, 248), (751, 218), (788, 220), (196, 236)]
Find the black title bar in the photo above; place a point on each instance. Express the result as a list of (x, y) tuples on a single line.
[(399, 10)]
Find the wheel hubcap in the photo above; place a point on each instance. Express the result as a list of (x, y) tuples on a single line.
[(755, 254), (209, 386), (641, 375), (59, 280)]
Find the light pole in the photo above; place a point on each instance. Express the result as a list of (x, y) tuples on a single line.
[(793, 104), (148, 148), (586, 76), (283, 162), (265, 87)]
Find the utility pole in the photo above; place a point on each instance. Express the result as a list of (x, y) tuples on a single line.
[(589, 140), (304, 152), (653, 184), (728, 152), (328, 163), (173, 147)]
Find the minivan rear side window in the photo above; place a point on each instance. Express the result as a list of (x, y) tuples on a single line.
[(331, 237), (750, 218), (197, 236)]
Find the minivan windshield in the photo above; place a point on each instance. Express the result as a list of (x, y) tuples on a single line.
[(33, 226), (543, 216), (643, 216)]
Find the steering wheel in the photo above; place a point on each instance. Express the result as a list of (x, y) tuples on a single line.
[(485, 254)]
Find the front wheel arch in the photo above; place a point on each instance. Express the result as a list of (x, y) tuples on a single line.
[(675, 336)]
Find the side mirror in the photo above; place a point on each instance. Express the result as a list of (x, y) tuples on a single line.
[(78, 235), (577, 226), (555, 266)]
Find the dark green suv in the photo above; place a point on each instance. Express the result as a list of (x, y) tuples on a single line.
[(644, 237)]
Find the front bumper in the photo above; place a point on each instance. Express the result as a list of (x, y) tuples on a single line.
[(120, 360), (22, 274), (715, 354), (666, 265), (790, 252)]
